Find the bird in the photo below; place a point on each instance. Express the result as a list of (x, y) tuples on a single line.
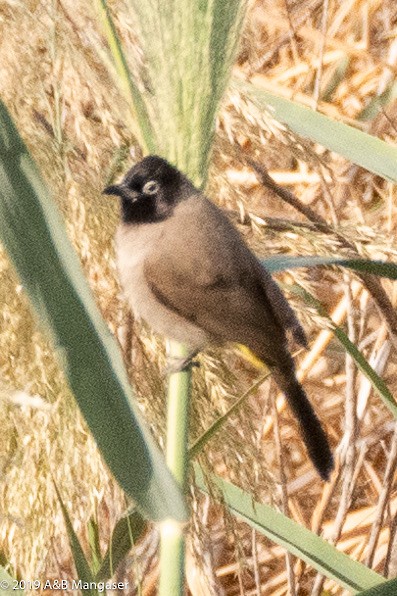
[(185, 269)]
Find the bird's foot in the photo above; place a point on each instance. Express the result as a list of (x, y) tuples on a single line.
[(176, 365)]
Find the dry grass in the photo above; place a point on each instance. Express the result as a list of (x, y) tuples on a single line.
[(69, 113)]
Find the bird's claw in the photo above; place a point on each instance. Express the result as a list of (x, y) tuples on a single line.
[(176, 365)]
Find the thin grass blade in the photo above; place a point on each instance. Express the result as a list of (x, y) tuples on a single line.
[(126, 533), (94, 544), (140, 121), (200, 443), (83, 569), (337, 78), (361, 362), (378, 103)]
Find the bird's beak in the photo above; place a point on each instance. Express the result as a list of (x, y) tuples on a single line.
[(121, 190), (114, 189)]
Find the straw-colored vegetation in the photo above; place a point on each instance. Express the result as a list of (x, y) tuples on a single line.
[(339, 57)]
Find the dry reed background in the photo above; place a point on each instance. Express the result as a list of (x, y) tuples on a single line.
[(57, 88)]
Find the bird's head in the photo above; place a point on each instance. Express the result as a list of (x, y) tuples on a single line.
[(150, 190)]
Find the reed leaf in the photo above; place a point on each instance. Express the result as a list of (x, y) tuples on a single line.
[(386, 589), (188, 50), (295, 538), (359, 147), (35, 238), (379, 268)]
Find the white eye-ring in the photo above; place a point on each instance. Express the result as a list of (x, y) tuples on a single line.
[(151, 187)]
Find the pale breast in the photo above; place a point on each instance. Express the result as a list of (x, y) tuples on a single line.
[(133, 245)]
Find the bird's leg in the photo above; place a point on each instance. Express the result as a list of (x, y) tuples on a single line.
[(175, 364)]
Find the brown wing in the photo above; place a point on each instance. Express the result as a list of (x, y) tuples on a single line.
[(202, 270), (281, 308)]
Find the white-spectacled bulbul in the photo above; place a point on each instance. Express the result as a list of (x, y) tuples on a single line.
[(186, 270)]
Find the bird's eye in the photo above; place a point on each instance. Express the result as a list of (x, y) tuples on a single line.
[(151, 187)]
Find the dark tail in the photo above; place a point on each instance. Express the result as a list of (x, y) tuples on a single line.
[(315, 439)]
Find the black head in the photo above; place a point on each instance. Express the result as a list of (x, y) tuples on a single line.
[(150, 190)]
